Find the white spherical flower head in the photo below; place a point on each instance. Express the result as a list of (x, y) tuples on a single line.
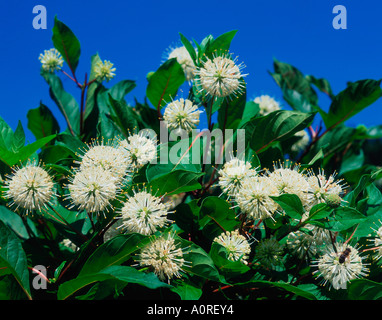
[(164, 257), (266, 104), (107, 158), (139, 150), (92, 189), (51, 60), (144, 213), (377, 244), (254, 199), (237, 246), (320, 187), (182, 114), (184, 59), (233, 173), (291, 181), (269, 252), (30, 188), (340, 266), (221, 76), (104, 70), (302, 143)]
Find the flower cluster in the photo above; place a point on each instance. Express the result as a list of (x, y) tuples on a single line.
[(253, 192)]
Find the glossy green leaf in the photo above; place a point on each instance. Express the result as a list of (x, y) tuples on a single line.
[(121, 273), (42, 122), (356, 97), (66, 43), (13, 257), (65, 102), (113, 252), (276, 126), (164, 83), (291, 204)]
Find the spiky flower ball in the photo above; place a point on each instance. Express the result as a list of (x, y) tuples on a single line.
[(253, 197), (182, 114), (237, 246), (377, 244), (30, 187), (139, 150), (323, 189), (232, 175), (338, 269), (106, 157), (291, 181), (51, 60), (104, 70), (221, 76), (164, 257), (92, 189), (184, 59), (266, 104), (269, 253), (144, 213)]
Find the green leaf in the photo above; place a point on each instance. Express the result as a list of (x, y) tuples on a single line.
[(11, 158), (19, 137), (190, 48), (216, 216), (113, 252), (279, 285), (291, 204), (276, 126), (288, 78), (15, 223), (13, 257), (230, 113), (65, 101), (222, 42), (120, 273), (199, 262), (186, 291), (175, 182), (6, 134), (322, 84), (123, 116), (42, 122), (173, 179), (319, 211), (66, 43), (364, 289), (164, 83), (345, 218), (356, 97)]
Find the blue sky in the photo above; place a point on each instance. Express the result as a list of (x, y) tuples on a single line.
[(135, 34)]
